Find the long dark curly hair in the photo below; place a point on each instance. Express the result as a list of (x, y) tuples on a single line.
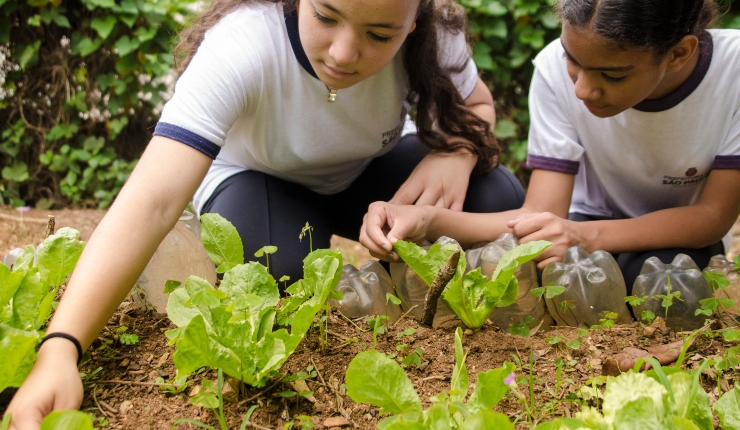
[(440, 109)]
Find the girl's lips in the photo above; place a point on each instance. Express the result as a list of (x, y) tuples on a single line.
[(594, 108), (337, 74)]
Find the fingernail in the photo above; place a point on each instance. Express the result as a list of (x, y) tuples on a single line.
[(384, 246), (390, 255)]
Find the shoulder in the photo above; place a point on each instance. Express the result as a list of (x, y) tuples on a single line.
[(253, 21), (551, 57), (726, 44)]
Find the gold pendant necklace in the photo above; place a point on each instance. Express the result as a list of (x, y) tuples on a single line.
[(332, 94)]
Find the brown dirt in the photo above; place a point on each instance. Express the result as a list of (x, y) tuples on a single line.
[(122, 392)]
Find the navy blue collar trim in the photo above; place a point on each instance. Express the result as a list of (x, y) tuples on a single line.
[(291, 24), (706, 46)]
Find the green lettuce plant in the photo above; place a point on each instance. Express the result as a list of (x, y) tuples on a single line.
[(27, 296), (233, 328), (372, 377), (662, 398), (472, 296)]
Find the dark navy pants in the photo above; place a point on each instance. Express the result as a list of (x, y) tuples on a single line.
[(269, 211)]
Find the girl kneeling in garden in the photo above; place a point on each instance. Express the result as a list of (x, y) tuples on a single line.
[(288, 112), (634, 141)]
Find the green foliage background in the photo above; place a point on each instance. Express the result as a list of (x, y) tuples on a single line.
[(82, 82)]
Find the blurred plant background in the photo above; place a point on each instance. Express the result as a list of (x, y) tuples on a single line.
[(82, 83)]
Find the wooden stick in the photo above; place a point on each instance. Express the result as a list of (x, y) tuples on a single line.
[(435, 290), (50, 226), (116, 381), (23, 219), (241, 402)]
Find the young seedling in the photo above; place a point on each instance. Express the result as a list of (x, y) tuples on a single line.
[(306, 230), (668, 297), (607, 321), (377, 324), (374, 378), (266, 251), (211, 396)]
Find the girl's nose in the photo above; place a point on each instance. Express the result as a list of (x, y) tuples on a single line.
[(344, 49), (585, 88)]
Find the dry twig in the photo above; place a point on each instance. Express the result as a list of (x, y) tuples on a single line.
[(435, 290)]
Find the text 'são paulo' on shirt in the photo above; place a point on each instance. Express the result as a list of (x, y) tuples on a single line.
[(654, 156), (251, 100)]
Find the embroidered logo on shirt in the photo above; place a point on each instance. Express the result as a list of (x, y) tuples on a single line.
[(692, 178)]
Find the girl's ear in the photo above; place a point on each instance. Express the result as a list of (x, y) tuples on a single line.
[(680, 54)]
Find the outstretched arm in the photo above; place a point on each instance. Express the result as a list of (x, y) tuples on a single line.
[(147, 207), (441, 179), (385, 223), (695, 226)]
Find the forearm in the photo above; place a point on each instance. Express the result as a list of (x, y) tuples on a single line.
[(683, 227), (695, 226), (122, 244), (469, 228)]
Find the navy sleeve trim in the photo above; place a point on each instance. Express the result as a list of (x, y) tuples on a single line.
[(188, 138), (553, 164), (726, 162)]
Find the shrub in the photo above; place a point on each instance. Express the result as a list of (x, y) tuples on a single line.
[(82, 82)]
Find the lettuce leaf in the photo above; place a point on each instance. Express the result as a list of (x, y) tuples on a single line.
[(231, 328), (472, 297)]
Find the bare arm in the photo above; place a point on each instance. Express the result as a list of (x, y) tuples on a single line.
[(695, 226), (386, 223), (147, 207)]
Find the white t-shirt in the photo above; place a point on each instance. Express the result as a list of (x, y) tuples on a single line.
[(654, 156), (250, 99)]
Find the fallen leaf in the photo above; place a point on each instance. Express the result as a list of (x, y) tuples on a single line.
[(300, 386), (625, 360), (336, 422)]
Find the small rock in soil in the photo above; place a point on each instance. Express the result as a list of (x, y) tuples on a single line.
[(126, 320), (126, 406), (336, 422), (468, 332)]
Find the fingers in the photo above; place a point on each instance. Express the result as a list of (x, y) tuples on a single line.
[(372, 235), (408, 193), (554, 259)]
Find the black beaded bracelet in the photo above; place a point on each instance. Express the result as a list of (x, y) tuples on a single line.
[(69, 337)]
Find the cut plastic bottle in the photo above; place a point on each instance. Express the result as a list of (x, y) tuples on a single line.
[(180, 255), (364, 292), (682, 275), (486, 256), (719, 264), (594, 285), (412, 289)]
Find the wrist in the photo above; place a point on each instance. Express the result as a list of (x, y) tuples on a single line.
[(434, 217), (588, 235), (60, 349)]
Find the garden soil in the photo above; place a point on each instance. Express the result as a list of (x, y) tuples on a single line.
[(120, 386)]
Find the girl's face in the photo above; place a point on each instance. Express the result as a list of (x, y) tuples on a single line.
[(610, 79), (348, 41)]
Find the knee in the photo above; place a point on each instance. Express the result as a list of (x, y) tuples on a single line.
[(496, 191)]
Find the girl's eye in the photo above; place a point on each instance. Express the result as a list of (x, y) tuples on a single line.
[(612, 78), (380, 39), (322, 18)]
